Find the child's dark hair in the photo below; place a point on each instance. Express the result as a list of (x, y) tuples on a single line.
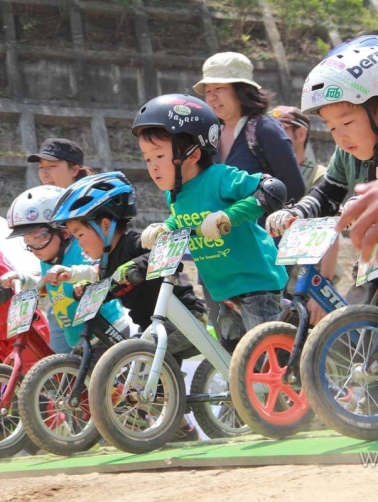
[(184, 140)]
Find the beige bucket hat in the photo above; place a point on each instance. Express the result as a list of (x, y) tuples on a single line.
[(226, 68)]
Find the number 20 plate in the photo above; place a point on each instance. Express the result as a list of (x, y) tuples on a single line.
[(306, 241)]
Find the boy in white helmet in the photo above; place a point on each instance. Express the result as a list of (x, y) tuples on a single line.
[(29, 217), (343, 90)]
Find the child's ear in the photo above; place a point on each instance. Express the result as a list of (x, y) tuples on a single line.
[(195, 156), (66, 233), (105, 224)]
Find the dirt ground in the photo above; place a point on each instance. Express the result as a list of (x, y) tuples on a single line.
[(287, 483)]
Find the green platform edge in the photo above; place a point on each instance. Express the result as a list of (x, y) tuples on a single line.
[(321, 447)]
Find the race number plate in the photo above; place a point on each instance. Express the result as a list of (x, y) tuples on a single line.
[(91, 301), (367, 271), (306, 241), (167, 253), (21, 311)]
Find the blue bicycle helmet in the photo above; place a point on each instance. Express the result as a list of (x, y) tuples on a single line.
[(93, 196), (107, 194)]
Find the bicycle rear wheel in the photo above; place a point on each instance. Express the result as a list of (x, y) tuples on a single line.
[(216, 419), (268, 405), (123, 416), (13, 437), (340, 391)]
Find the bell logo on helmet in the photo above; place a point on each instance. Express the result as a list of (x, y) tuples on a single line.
[(182, 110), (332, 93), (368, 62)]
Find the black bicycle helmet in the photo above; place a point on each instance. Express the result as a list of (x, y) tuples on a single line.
[(181, 113)]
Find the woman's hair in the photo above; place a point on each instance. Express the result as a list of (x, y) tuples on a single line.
[(255, 102), (83, 171), (184, 142)]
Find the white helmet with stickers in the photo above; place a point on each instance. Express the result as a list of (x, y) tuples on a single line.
[(32, 208), (350, 75)]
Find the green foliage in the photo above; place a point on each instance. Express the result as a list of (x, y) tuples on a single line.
[(322, 46), (327, 13)]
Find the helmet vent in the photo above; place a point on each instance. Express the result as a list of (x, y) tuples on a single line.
[(317, 86), (82, 201)]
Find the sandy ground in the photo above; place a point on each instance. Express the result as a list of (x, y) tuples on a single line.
[(283, 483), (289, 483)]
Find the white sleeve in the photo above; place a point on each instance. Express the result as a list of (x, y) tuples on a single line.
[(83, 273)]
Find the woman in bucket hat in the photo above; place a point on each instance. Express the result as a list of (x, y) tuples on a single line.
[(250, 140)]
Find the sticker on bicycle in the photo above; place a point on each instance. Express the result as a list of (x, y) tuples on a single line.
[(167, 253), (21, 311), (91, 301), (367, 271), (306, 241)]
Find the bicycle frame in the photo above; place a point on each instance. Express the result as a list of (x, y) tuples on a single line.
[(168, 306), (310, 283)]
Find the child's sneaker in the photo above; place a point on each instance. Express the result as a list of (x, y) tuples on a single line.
[(186, 433)]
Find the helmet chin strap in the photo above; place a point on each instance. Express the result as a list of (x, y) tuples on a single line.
[(107, 240), (177, 162)]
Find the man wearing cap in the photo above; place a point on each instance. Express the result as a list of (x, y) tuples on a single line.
[(297, 127)]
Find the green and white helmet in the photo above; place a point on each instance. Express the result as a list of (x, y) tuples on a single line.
[(350, 75)]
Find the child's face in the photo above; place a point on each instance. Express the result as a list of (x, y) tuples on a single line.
[(89, 240), (350, 128), (57, 172), (158, 156), (39, 237)]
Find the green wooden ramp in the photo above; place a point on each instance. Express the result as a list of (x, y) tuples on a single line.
[(320, 447)]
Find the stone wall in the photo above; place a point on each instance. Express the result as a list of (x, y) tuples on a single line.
[(81, 69)]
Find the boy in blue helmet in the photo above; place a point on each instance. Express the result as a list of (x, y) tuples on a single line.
[(96, 210)]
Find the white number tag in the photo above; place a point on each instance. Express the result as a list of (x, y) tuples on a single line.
[(91, 301), (306, 241), (167, 253)]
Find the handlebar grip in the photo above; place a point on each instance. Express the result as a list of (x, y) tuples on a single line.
[(17, 286), (135, 276)]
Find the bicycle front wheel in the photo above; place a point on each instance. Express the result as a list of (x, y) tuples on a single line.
[(340, 390), (48, 419), (265, 402), (125, 418)]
